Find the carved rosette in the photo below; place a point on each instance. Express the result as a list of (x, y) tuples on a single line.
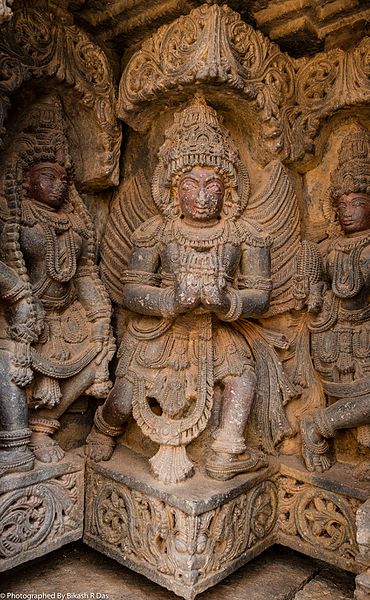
[(36, 44), (212, 45), (148, 534), (318, 522), (38, 518)]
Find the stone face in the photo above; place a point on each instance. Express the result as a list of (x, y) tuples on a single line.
[(41, 511)]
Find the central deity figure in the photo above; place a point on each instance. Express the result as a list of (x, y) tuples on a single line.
[(195, 270)]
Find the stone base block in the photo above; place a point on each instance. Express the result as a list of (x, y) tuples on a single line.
[(41, 510), (185, 537), (317, 512)]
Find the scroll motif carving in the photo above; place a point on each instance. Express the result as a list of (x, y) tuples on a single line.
[(33, 515), (213, 45), (36, 44), (187, 547), (318, 518)]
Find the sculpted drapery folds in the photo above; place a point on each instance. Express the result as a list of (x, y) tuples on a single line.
[(337, 291), (196, 274), (48, 241)]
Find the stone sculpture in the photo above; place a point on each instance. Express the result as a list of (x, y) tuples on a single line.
[(48, 240), (5, 10), (338, 292), (195, 273), (19, 327)]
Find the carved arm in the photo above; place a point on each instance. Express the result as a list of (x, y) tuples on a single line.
[(93, 297), (141, 292), (254, 283)]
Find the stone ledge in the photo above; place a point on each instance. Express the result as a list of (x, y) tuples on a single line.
[(186, 537), (41, 511)]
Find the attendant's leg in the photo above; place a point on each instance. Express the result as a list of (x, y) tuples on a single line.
[(15, 454), (44, 422), (323, 423), (109, 421)]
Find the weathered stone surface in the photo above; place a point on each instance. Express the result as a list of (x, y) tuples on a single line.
[(234, 340), (301, 27), (330, 584), (41, 510), (186, 538), (363, 539), (317, 513), (41, 41), (277, 574)]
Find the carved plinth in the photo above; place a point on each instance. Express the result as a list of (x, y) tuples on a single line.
[(317, 512), (185, 537), (41, 510), (363, 538)]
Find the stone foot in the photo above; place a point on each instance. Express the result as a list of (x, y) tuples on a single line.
[(45, 449), (315, 448), (16, 461), (224, 466), (98, 445)]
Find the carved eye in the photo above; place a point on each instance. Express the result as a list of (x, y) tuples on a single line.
[(358, 202), (214, 187), (189, 185)]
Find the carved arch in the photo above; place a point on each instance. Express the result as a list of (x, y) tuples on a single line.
[(35, 44), (290, 98)]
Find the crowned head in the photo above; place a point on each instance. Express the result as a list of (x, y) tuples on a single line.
[(350, 191), (199, 166)]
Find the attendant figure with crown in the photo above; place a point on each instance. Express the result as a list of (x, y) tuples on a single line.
[(340, 332), (48, 241)]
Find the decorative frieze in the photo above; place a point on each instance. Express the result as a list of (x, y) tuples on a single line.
[(40, 511)]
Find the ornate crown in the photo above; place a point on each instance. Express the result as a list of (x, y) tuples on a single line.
[(353, 171), (197, 138), (41, 134)]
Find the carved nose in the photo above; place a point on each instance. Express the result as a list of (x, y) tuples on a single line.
[(202, 196)]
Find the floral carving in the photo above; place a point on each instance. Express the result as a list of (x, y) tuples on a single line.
[(324, 520), (187, 547), (36, 44), (38, 514), (290, 98)]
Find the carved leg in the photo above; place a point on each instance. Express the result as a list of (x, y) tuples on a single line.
[(315, 448), (42, 445), (323, 424), (15, 454), (230, 455), (109, 420), (44, 422)]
